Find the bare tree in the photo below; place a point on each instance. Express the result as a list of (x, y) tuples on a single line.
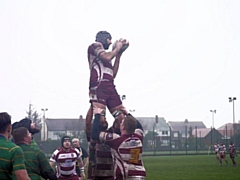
[(33, 115)]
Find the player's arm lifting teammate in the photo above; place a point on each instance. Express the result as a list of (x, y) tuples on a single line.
[(126, 148)]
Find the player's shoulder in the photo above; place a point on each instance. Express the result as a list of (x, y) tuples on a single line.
[(139, 132), (95, 45), (74, 150), (10, 146), (58, 150), (77, 150), (13, 150)]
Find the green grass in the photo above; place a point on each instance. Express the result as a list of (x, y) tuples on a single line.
[(192, 167)]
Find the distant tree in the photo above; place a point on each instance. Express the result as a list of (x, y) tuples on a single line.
[(33, 115)]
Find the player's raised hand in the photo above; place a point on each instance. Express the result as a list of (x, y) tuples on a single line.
[(118, 44), (124, 46)]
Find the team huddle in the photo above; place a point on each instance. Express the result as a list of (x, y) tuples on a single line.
[(115, 152), (221, 151)]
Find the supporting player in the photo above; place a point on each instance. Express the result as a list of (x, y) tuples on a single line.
[(126, 148), (104, 168)]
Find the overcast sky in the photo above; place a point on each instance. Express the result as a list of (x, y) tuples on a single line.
[(182, 62)]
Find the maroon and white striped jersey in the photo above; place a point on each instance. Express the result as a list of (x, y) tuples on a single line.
[(126, 153), (232, 149), (216, 147), (66, 161), (101, 71)]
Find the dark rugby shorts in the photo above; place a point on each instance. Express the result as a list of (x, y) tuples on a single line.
[(108, 97)]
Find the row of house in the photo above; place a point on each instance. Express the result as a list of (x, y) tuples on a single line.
[(161, 133)]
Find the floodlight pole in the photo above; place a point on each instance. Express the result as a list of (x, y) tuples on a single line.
[(212, 129), (44, 122), (232, 99), (213, 111)]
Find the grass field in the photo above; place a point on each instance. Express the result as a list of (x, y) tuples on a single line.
[(192, 167)]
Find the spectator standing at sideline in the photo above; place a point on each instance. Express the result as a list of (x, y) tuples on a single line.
[(85, 159), (11, 156), (36, 161)]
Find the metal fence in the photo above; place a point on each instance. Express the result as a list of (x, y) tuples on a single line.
[(169, 144), (191, 141)]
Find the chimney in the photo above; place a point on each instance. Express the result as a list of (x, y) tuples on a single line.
[(156, 119), (81, 117)]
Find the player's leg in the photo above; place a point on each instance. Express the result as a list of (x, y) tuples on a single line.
[(117, 110), (98, 98), (226, 160), (103, 120), (217, 157), (89, 118), (118, 113), (232, 158), (232, 155), (234, 162), (220, 160), (92, 144)]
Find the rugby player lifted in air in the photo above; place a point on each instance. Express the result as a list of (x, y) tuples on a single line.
[(102, 91)]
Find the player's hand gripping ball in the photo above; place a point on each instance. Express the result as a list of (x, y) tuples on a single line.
[(124, 46)]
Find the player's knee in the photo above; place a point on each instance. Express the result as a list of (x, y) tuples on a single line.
[(117, 113), (118, 116)]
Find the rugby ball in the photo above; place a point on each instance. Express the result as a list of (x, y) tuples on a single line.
[(124, 47)]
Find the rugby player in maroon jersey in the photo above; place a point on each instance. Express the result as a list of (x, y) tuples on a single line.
[(126, 148), (222, 152), (232, 153), (216, 151), (64, 159), (102, 91)]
